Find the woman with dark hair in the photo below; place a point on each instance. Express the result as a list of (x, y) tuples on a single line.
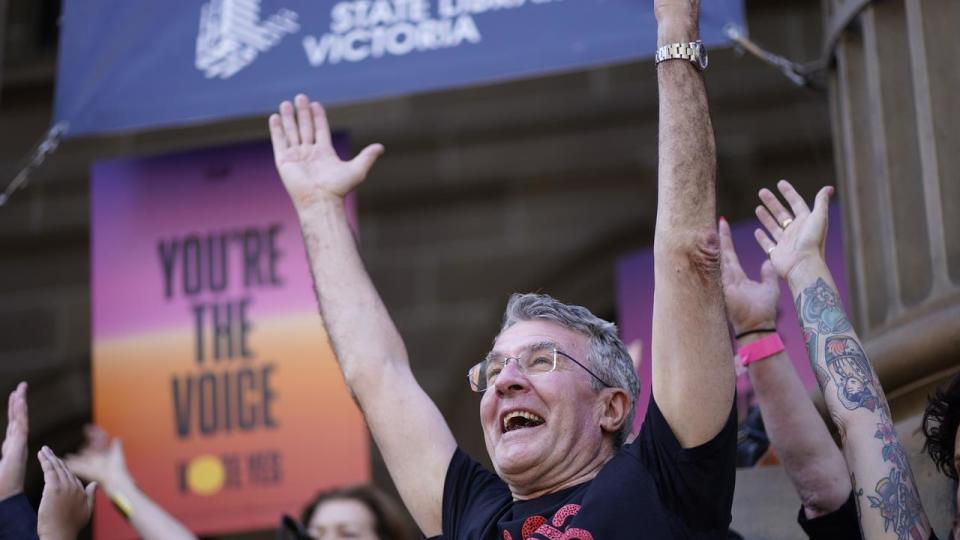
[(354, 512), (941, 421)]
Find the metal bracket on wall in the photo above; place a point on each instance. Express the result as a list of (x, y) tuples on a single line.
[(36, 158), (812, 74), (839, 21), (808, 75)]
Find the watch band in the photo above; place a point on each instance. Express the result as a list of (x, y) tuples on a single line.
[(692, 52)]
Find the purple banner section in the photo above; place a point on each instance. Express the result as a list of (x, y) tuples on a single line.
[(635, 298), (191, 187)]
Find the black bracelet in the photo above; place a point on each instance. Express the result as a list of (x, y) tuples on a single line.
[(757, 331)]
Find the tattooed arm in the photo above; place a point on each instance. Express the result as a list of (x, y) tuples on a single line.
[(802, 442), (886, 494)]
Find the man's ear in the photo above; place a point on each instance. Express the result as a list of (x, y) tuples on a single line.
[(616, 408)]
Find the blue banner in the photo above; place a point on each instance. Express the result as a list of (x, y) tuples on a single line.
[(134, 65)]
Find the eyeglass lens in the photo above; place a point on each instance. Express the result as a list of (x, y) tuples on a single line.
[(533, 362)]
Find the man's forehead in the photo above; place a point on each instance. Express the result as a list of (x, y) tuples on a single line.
[(524, 349), (524, 334)]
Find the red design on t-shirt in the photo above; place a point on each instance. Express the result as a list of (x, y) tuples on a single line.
[(537, 525), (531, 524), (567, 511)]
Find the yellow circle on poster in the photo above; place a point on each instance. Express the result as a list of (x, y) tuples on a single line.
[(205, 475)]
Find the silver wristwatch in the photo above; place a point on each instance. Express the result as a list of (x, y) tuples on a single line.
[(693, 52)]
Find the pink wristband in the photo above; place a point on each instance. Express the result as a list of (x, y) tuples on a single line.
[(760, 349)]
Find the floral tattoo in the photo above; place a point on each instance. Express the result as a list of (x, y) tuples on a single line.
[(822, 306), (896, 497)]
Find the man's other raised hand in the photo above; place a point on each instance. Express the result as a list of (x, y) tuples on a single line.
[(306, 160)]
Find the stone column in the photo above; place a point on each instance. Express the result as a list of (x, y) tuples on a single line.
[(894, 88)]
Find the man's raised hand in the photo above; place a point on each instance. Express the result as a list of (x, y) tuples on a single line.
[(750, 304), (306, 160), (663, 9), (797, 235), (65, 506), (13, 462)]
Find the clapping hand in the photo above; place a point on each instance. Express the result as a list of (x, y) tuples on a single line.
[(65, 506), (13, 463), (751, 305), (100, 460)]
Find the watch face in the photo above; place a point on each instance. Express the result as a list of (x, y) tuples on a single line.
[(701, 55)]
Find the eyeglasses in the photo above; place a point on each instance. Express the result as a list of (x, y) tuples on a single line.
[(537, 360)]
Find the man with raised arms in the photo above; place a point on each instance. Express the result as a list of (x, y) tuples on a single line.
[(558, 386)]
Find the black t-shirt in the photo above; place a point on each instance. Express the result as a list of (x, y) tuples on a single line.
[(841, 524), (651, 488), (18, 521)]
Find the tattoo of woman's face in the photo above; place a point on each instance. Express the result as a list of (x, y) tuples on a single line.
[(850, 370)]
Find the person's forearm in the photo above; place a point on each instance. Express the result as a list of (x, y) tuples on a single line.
[(406, 425), (690, 346), (686, 201), (886, 492), (798, 435), (149, 520), (363, 335)]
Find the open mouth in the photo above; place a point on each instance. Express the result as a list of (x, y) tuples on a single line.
[(515, 420)]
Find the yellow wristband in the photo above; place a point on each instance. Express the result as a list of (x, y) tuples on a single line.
[(122, 504)]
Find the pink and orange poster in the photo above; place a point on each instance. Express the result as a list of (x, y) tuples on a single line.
[(210, 360)]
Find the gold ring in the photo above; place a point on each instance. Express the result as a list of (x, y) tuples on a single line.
[(770, 250), (786, 223)]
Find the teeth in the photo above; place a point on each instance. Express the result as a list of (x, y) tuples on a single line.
[(520, 414)]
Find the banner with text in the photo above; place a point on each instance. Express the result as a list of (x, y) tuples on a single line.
[(152, 63), (209, 358), (635, 301)]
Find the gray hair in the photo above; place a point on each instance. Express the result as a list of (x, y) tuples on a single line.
[(608, 357)]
